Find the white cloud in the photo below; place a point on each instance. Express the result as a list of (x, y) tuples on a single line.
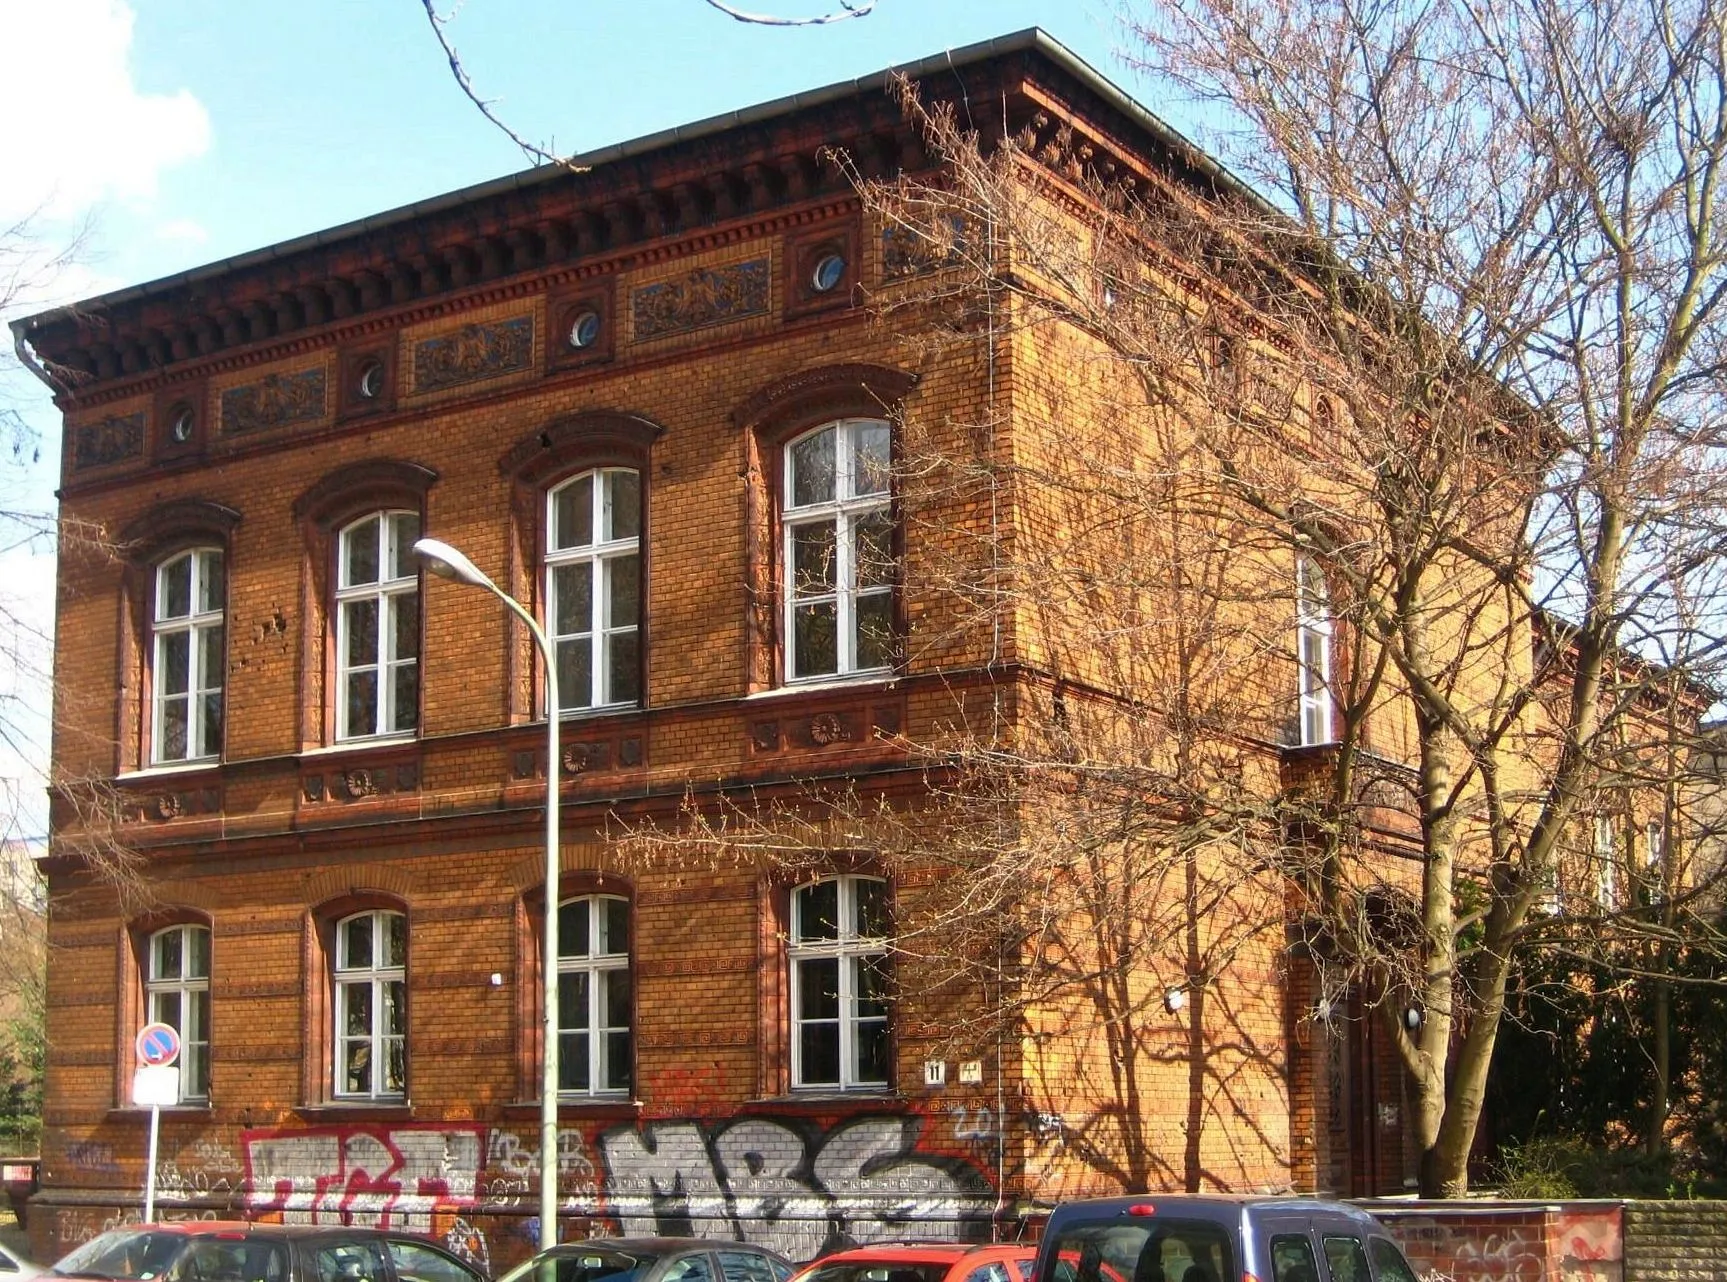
[(182, 231), (81, 131)]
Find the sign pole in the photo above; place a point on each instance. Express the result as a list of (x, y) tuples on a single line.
[(157, 1082), (150, 1170)]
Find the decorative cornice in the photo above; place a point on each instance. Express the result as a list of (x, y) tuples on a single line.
[(147, 536), (332, 497), (589, 434)]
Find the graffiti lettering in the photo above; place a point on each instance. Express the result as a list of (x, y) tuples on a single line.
[(393, 1177), (91, 1156)]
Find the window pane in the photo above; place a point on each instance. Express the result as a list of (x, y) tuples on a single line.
[(871, 462), (573, 598), (166, 957), (197, 1016), (195, 1082), (360, 553), (575, 673), (875, 638), (395, 939), (819, 988), (573, 1000), (1388, 1261), (405, 614), (615, 998), (1346, 1259), (573, 514), (814, 641), (211, 726), (405, 527), (573, 1074), (615, 927), (174, 713), (165, 1007), (871, 893), (870, 984), (625, 506), (395, 1008), (211, 584), (1292, 1259), (623, 591), (357, 1001), (356, 952), (870, 1041), (872, 542), (820, 1048), (812, 461), (199, 967), (818, 911), (173, 674), (360, 621), (623, 677), (405, 679), (617, 1066), (813, 558), (174, 589), (357, 1059), (210, 658), (396, 1066), (573, 928), (362, 703)]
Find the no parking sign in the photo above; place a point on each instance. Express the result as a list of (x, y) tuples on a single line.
[(158, 1044)]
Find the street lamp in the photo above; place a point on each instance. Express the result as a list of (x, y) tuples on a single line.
[(448, 563)]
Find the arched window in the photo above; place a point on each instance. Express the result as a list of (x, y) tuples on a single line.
[(177, 993), (187, 657), (838, 551), (378, 627), (839, 983), (594, 1002), (371, 1026), (1313, 653), (594, 588)]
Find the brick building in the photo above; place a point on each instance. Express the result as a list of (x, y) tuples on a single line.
[(633, 395)]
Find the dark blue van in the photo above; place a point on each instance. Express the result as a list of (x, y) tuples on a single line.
[(1216, 1238)]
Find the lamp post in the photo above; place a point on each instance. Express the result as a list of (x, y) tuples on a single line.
[(448, 563)]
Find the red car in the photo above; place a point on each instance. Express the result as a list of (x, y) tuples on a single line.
[(923, 1262)]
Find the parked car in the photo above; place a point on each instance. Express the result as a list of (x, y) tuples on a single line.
[(217, 1251), (1197, 1238), (15, 1268), (923, 1262), (652, 1259)]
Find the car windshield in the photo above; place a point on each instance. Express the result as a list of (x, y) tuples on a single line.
[(1163, 1250), (598, 1265), (862, 1271), (124, 1253)]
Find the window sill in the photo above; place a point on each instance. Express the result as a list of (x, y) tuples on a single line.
[(823, 1100), (169, 770), (378, 744), (139, 1112), (819, 685), (357, 1111), (599, 1107)]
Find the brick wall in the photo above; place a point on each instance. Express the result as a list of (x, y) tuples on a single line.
[(1675, 1241)]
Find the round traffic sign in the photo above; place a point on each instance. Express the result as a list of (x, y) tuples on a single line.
[(158, 1044)]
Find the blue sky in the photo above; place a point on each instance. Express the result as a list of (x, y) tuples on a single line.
[(186, 131)]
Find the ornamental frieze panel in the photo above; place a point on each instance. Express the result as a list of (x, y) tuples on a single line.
[(359, 783), (170, 804), (698, 299), (826, 729), (111, 440), (275, 401), (584, 756), (477, 351)]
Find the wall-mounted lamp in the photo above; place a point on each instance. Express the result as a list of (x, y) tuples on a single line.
[(1174, 999), (1412, 1018)]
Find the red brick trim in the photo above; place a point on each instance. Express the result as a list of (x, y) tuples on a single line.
[(364, 487)]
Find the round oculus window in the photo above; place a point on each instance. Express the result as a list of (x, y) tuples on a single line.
[(181, 424), (829, 272), (585, 330), (370, 384)]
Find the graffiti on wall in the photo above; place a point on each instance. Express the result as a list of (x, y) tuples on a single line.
[(390, 1176)]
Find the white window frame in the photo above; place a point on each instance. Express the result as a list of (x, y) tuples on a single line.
[(851, 950), (378, 974), (192, 1020), (1654, 843), (597, 966), (598, 555), (1606, 863), (843, 511), (388, 592), (1313, 627), (195, 625)]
